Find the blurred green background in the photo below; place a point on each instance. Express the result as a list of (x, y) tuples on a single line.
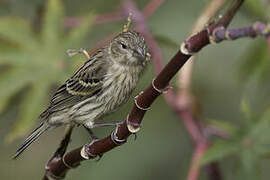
[(230, 81)]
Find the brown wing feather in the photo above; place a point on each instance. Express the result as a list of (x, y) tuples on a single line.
[(86, 82)]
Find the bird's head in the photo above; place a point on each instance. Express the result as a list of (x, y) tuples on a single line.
[(129, 48)]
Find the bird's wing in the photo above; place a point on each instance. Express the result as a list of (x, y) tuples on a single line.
[(86, 82)]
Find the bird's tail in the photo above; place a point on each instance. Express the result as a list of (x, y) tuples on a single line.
[(34, 135)]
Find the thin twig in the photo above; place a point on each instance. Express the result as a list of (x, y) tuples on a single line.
[(194, 170), (227, 18), (151, 7), (148, 10), (98, 19)]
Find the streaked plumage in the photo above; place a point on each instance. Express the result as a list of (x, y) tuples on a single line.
[(98, 88)]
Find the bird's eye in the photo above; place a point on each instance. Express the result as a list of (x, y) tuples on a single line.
[(123, 46)]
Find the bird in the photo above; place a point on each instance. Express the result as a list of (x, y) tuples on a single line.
[(99, 87)]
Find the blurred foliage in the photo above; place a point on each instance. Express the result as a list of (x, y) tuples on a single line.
[(259, 8), (256, 62), (249, 143), (35, 61)]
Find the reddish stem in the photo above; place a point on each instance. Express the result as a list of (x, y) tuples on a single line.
[(151, 7), (148, 10), (194, 170), (98, 19)]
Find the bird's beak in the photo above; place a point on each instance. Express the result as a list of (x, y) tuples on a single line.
[(139, 51)]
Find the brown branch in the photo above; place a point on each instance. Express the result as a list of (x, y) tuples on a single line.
[(227, 18), (257, 29), (57, 168), (185, 75)]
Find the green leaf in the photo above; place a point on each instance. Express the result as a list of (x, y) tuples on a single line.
[(223, 125), (32, 106), (11, 82), (79, 33), (52, 23), (18, 31), (219, 150)]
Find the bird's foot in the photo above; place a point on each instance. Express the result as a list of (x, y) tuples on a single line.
[(91, 126), (85, 152), (114, 137)]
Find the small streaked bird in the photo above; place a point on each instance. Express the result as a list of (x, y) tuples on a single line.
[(98, 88)]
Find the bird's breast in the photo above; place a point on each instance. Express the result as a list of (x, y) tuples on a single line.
[(119, 86)]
